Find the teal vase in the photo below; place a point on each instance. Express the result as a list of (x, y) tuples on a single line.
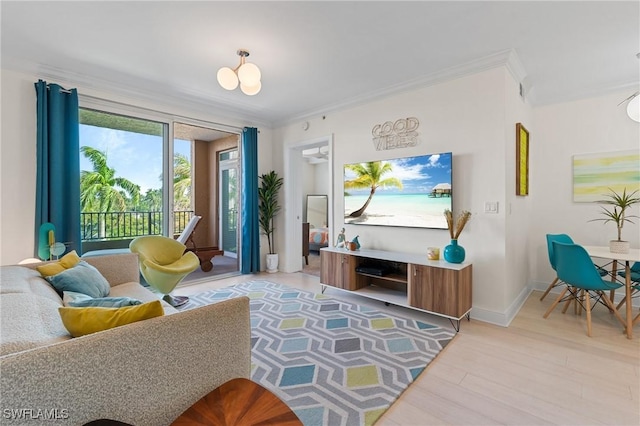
[(453, 253)]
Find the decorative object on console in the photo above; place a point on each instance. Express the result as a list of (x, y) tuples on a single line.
[(268, 208), (246, 73), (342, 239), (399, 134), (618, 215), (522, 160), (433, 253), (356, 242), (407, 192), (454, 253)]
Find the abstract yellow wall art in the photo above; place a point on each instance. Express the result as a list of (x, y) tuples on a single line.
[(594, 174), (522, 160)]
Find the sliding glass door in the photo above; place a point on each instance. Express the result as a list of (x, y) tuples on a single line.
[(121, 179), (229, 202), (138, 180)]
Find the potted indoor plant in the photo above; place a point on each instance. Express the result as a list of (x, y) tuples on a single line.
[(619, 215), (268, 208)]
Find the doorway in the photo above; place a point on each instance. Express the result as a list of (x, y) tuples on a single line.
[(211, 193), (312, 181), (229, 202)]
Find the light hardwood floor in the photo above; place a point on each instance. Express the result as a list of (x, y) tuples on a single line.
[(536, 371)]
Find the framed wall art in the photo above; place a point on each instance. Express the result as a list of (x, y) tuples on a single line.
[(595, 174), (522, 160)]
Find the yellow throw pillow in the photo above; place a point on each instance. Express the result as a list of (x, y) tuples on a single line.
[(82, 321), (67, 261)]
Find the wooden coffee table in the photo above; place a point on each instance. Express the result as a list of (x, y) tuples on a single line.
[(238, 402)]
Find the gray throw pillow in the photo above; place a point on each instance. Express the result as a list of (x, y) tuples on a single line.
[(82, 278), (80, 300)]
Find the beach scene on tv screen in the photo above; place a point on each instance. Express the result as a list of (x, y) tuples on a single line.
[(409, 191)]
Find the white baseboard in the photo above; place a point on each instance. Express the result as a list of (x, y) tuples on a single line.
[(502, 319)]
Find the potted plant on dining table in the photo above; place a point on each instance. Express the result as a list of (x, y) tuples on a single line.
[(619, 215)]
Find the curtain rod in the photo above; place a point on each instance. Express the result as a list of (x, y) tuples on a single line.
[(180, 117), (62, 90)]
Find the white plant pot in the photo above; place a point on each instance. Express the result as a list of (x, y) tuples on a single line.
[(616, 246), (272, 263)]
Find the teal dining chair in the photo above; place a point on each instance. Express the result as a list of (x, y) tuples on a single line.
[(561, 238), (575, 268), (635, 282)]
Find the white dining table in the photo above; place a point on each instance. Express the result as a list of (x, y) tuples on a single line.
[(603, 252)]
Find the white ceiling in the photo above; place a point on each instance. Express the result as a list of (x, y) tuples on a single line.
[(319, 56)]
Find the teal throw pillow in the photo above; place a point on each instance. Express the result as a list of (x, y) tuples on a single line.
[(80, 300), (82, 278)]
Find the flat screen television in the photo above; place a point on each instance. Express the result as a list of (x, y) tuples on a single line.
[(408, 191)]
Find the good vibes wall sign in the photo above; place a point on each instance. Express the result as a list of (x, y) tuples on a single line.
[(401, 133)]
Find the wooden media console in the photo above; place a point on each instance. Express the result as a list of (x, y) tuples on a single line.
[(433, 286)]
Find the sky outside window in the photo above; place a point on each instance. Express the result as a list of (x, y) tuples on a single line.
[(134, 156)]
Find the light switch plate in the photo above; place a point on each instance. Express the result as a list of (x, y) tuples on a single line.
[(491, 207)]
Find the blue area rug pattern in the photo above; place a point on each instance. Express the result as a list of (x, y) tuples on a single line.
[(333, 362)]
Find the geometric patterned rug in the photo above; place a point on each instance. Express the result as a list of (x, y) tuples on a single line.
[(332, 362)]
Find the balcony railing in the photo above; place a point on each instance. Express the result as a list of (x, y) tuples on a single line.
[(121, 225)]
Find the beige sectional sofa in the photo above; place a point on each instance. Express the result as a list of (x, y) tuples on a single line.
[(145, 373)]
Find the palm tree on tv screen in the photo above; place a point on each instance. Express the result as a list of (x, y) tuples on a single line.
[(370, 175)]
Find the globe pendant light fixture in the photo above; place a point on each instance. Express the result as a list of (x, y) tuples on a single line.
[(633, 103), (633, 107), (246, 74)]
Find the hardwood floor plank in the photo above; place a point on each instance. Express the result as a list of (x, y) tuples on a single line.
[(491, 408), (552, 411), (405, 413), (449, 411)]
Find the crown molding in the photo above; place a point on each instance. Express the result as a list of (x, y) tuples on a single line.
[(593, 92), (507, 58), (143, 91)]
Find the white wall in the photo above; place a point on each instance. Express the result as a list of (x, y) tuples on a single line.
[(17, 168), (563, 130), (321, 176), (18, 155), (308, 179), (315, 178), (516, 209), (465, 116)]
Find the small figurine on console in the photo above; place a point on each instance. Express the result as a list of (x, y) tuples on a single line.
[(342, 239), (356, 242)]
